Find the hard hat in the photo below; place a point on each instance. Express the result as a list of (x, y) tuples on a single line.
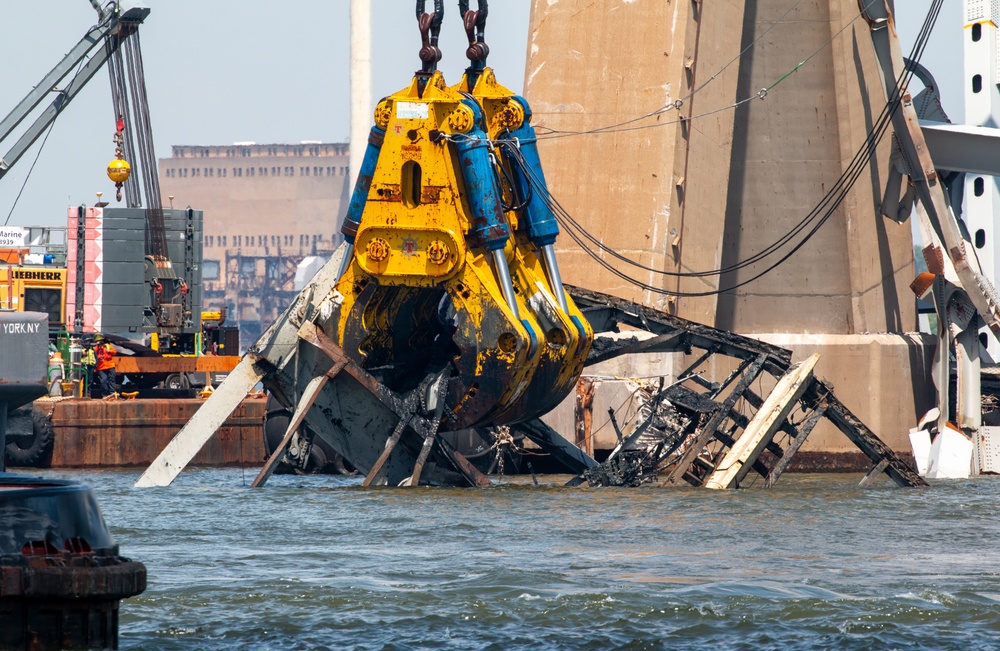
[(98, 337)]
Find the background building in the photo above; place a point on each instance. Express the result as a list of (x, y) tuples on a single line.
[(269, 209)]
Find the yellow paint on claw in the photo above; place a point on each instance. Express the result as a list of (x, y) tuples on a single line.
[(419, 290)]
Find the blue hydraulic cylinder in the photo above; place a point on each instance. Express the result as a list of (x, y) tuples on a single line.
[(364, 183), (542, 226), (488, 224)]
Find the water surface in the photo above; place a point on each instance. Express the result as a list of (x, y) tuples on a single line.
[(321, 563)]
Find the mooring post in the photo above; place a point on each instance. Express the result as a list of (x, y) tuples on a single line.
[(584, 414)]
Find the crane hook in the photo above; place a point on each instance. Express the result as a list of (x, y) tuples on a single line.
[(430, 29), (475, 29), (119, 169)]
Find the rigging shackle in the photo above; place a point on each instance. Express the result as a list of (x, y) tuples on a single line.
[(475, 29), (430, 29)]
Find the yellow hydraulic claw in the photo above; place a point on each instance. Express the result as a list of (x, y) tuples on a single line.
[(445, 270)]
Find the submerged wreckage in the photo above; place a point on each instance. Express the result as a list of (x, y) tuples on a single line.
[(445, 311)]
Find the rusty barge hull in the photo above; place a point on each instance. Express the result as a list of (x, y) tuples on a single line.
[(130, 433)]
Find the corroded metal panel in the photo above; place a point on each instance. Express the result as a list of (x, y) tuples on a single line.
[(24, 342)]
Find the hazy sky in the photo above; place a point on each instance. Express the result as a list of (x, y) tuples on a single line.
[(220, 71)]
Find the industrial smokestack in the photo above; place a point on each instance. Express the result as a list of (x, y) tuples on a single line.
[(361, 81)]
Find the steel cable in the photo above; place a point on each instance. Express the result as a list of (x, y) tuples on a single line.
[(677, 104), (131, 103), (826, 207)]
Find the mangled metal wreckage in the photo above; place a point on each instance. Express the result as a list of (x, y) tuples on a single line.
[(710, 427), (445, 311), (696, 431)]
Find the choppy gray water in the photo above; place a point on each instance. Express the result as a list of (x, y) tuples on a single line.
[(320, 563)]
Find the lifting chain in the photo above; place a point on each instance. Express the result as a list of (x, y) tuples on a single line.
[(119, 140), (184, 289), (503, 444), (430, 29)]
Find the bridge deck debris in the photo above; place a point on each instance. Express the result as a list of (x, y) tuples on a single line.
[(714, 433), (697, 430)]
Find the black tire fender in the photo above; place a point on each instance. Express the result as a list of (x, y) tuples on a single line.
[(34, 451), (276, 420)]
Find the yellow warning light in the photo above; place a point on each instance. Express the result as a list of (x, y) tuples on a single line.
[(119, 170)]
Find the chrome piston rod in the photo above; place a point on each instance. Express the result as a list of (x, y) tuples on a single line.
[(555, 279), (503, 274)]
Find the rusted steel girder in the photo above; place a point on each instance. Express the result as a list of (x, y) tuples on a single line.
[(444, 460), (721, 424), (605, 312), (357, 416), (178, 364), (708, 432), (859, 434)]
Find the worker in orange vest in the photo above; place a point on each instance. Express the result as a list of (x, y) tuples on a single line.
[(106, 373)]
